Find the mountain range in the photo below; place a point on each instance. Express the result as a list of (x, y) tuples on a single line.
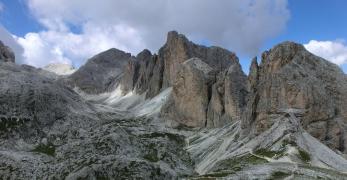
[(185, 112)]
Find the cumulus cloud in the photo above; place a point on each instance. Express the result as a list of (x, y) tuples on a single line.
[(334, 51), (240, 25), (65, 47), (9, 40)]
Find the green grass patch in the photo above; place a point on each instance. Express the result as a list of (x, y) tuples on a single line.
[(238, 163), (279, 175), (270, 153), (152, 153), (215, 175), (304, 156), (48, 149), (152, 157)]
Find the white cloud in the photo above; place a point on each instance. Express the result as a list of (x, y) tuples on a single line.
[(334, 51), (51, 46), (132, 25)]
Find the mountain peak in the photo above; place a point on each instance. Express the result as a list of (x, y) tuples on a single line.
[(173, 35), (100, 72)]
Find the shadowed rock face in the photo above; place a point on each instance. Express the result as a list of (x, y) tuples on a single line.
[(291, 77), (31, 104), (6, 54), (143, 74), (100, 72)]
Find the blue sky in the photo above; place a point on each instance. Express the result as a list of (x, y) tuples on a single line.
[(319, 20), (312, 19)]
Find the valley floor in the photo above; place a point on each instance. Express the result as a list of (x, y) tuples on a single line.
[(132, 142)]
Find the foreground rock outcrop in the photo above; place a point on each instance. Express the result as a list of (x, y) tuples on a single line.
[(6, 54), (291, 77), (33, 105)]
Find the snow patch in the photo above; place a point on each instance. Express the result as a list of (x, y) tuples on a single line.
[(60, 69)]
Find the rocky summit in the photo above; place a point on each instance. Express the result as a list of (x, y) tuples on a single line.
[(185, 112)]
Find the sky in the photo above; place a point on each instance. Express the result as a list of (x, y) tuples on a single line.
[(65, 31)]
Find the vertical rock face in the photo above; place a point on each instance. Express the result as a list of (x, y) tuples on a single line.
[(143, 74), (157, 72), (130, 75), (228, 97), (218, 98), (289, 77), (213, 100), (150, 74), (6, 54), (100, 72), (235, 91), (146, 63), (216, 109), (190, 95)]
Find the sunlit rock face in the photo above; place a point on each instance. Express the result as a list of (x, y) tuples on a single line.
[(190, 97), (6, 54), (205, 92), (157, 72), (222, 95), (291, 77), (178, 49)]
